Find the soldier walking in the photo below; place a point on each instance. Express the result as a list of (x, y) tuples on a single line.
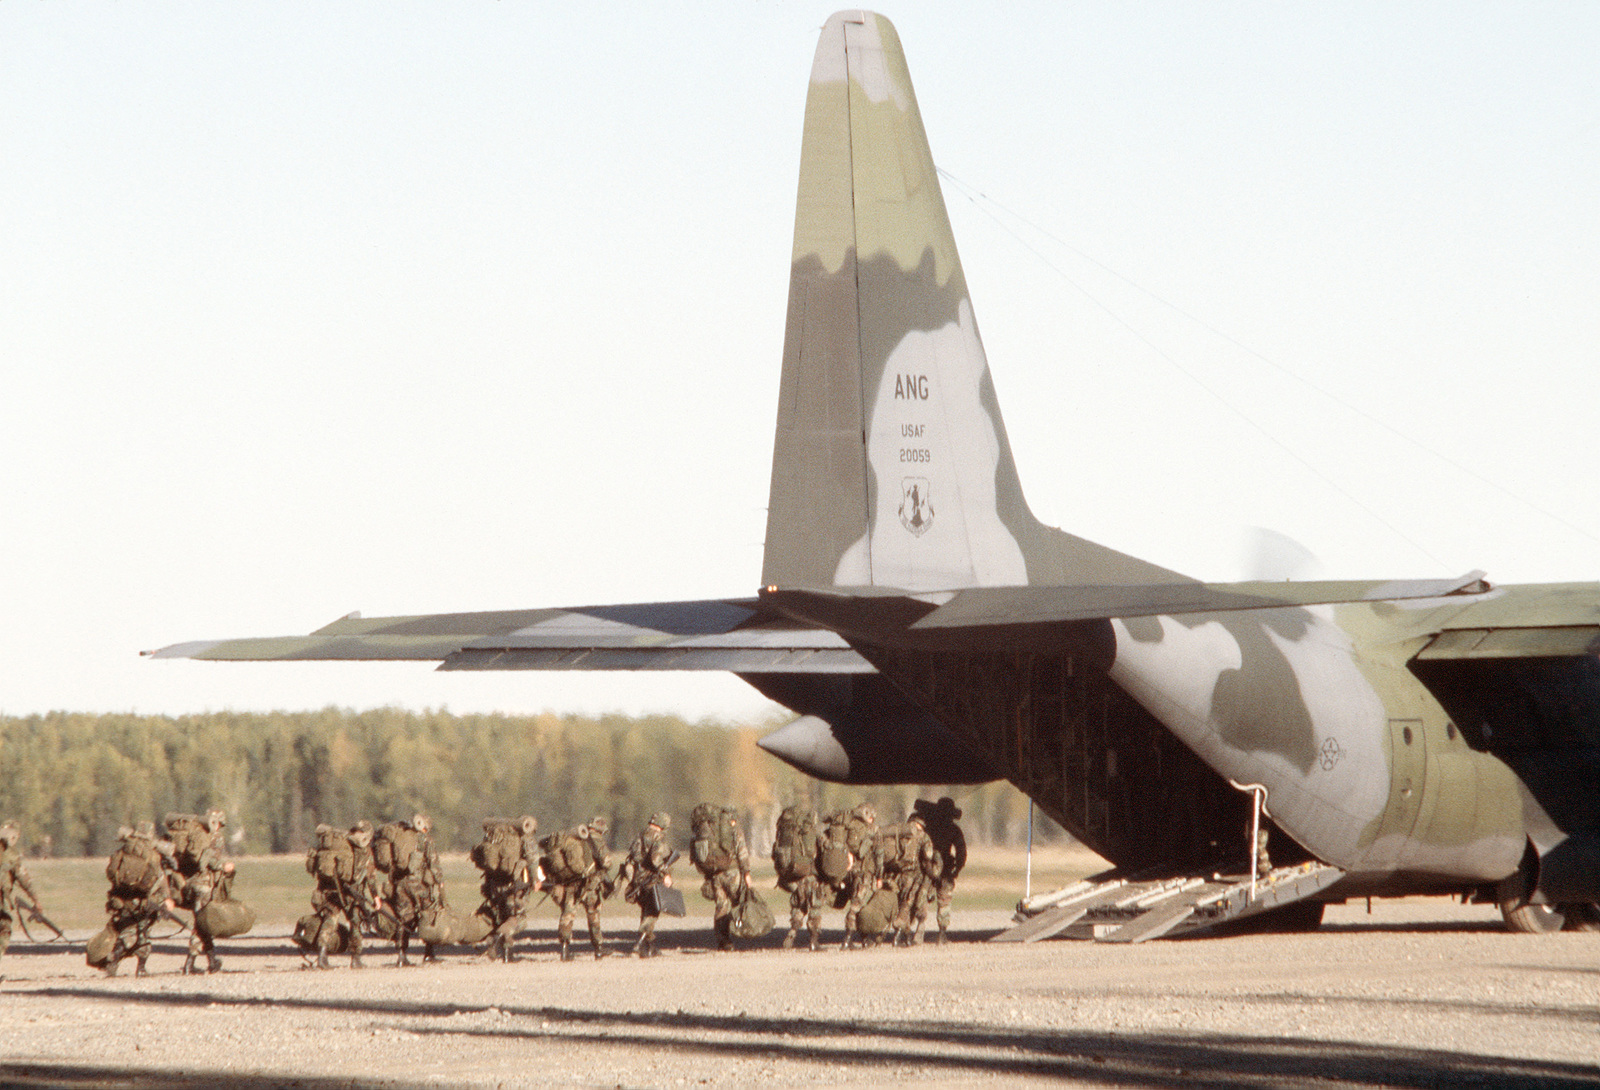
[(138, 893), (649, 864), (508, 858), (794, 858), (722, 857), (866, 872), (578, 865), (939, 818), (914, 874), (404, 851), (13, 876), (346, 892), (197, 875)]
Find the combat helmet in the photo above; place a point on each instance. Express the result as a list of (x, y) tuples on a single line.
[(10, 833), (661, 820)]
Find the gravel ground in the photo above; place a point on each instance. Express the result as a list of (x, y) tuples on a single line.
[(1420, 993)]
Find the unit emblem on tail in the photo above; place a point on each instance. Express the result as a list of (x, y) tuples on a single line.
[(916, 507)]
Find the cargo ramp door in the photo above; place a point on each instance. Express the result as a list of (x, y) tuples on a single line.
[(1112, 907)]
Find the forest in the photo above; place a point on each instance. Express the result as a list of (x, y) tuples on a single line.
[(72, 779)]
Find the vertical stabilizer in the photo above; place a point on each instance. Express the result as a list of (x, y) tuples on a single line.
[(891, 466)]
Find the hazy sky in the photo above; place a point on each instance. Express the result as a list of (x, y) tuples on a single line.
[(399, 308)]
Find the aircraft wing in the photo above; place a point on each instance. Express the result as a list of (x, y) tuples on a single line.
[(738, 635)]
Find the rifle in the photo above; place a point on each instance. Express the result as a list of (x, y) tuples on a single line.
[(30, 910)]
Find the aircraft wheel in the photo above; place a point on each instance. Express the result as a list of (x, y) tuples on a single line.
[(1532, 919), (1582, 917), (1299, 916)]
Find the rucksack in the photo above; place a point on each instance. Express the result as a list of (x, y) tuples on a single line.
[(333, 857), (833, 853), (190, 838), (498, 854), (713, 848), (794, 850), (565, 858), (393, 846), (134, 868)]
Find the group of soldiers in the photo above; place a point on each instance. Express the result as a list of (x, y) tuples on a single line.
[(151, 876), (884, 877), (386, 882)]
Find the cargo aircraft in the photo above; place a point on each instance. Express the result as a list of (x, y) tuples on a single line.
[(1391, 737)]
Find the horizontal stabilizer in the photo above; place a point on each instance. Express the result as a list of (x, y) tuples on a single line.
[(713, 634)]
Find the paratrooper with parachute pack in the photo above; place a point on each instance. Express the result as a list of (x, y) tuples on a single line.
[(577, 868), (346, 894), (911, 869), (403, 851), (648, 866), (794, 856), (198, 874), (860, 828), (720, 854), (939, 818), (508, 858), (138, 894), (13, 876)]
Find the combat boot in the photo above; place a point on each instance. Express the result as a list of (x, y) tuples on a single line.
[(355, 960), (213, 963), (188, 965), (650, 947), (566, 947), (139, 969), (944, 936), (111, 966), (816, 939), (322, 958), (640, 947), (788, 940), (724, 934)]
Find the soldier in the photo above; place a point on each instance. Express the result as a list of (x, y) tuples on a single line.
[(578, 864), (723, 858), (416, 882), (197, 875), (794, 858), (939, 818), (13, 876), (915, 875), (508, 858), (649, 864), (866, 874), (138, 894), (346, 891)]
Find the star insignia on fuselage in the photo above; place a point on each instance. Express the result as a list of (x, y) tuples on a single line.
[(1331, 754)]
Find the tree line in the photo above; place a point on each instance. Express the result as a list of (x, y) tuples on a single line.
[(73, 779)]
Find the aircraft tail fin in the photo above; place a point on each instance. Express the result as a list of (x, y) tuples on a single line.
[(891, 466)]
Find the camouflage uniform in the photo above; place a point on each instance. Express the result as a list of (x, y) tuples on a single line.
[(915, 875), (348, 902), (727, 887), (940, 820), (861, 831), (13, 876), (589, 890), (805, 891), (505, 899), (134, 907), (196, 876), (416, 889), (649, 863)]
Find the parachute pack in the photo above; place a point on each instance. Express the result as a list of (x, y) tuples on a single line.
[(190, 838), (714, 848), (332, 857), (393, 846), (834, 858), (565, 858), (794, 850), (499, 853), (134, 868)]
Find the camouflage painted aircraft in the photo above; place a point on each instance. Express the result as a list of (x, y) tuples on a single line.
[(1425, 736)]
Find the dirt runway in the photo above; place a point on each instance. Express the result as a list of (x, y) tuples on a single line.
[(1421, 993)]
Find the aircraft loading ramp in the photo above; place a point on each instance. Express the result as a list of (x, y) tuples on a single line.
[(1114, 908)]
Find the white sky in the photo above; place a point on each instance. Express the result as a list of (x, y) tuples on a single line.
[(308, 308)]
